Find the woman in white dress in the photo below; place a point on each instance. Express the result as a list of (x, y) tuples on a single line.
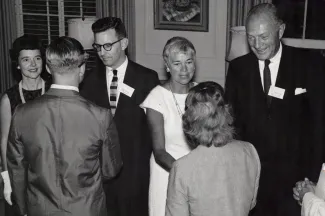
[(164, 108)]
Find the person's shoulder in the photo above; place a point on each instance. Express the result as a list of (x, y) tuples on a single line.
[(299, 54), (242, 146), (141, 69), (156, 95), (158, 90), (240, 66), (13, 89), (244, 59), (184, 165)]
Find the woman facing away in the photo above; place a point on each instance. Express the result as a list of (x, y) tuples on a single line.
[(221, 175), (27, 52), (164, 109)]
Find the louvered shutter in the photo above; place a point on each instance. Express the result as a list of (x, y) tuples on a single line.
[(48, 19)]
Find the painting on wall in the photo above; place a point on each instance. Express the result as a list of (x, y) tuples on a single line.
[(182, 15)]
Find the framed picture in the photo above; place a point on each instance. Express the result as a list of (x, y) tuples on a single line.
[(183, 15)]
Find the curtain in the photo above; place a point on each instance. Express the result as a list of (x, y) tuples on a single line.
[(8, 34), (237, 12), (125, 10)]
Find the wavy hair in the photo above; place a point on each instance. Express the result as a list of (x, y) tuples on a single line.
[(178, 45), (106, 23), (207, 120)]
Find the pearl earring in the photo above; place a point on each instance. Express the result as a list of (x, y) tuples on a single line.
[(168, 70)]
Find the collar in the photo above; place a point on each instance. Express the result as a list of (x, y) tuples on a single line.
[(122, 68), (66, 87)]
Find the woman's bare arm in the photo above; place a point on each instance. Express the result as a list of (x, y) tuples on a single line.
[(156, 125), (5, 120)]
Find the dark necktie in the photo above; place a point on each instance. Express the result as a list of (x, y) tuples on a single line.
[(267, 80), (113, 92)]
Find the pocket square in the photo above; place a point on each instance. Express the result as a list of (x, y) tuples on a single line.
[(299, 91)]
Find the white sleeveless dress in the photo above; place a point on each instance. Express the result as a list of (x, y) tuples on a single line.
[(161, 100)]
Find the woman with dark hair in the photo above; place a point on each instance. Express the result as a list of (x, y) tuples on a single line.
[(221, 175), (164, 109), (27, 51)]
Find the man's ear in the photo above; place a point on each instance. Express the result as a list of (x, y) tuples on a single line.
[(82, 71), (124, 43), (48, 69), (281, 30)]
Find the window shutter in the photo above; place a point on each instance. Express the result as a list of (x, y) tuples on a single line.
[(48, 19)]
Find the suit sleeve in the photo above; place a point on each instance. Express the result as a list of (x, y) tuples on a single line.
[(231, 97), (177, 198), (312, 205), (17, 166), (111, 154)]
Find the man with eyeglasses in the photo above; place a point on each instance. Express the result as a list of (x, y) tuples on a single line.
[(61, 146), (122, 85)]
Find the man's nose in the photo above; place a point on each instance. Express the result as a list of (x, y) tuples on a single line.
[(102, 51), (257, 43)]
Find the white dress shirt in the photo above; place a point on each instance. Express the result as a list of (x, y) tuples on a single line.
[(120, 76), (274, 67), (66, 87)]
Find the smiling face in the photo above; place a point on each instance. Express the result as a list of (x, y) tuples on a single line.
[(116, 56), (264, 36), (30, 63), (181, 66)]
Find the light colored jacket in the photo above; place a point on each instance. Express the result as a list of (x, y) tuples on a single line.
[(60, 148), (312, 205), (214, 181)]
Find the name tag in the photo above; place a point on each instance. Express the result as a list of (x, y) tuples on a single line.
[(276, 92), (127, 90)]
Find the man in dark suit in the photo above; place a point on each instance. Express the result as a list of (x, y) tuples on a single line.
[(122, 85), (275, 94), (61, 145)]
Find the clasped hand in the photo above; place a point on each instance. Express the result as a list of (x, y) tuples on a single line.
[(301, 188)]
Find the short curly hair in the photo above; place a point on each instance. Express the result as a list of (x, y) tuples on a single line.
[(178, 45), (207, 120)]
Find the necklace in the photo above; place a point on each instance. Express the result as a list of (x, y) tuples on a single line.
[(21, 91), (179, 110)]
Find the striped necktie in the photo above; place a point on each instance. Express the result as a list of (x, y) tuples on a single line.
[(113, 92)]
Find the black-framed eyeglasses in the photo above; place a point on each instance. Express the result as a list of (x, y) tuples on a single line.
[(107, 46)]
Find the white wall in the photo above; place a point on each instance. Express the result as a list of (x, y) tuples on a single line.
[(210, 46)]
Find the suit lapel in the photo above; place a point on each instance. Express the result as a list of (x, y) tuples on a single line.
[(101, 88), (256, 85), (285, 78), (129, 80)]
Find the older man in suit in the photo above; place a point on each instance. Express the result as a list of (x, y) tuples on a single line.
[(62, 146), (275, 92), (122, 85)]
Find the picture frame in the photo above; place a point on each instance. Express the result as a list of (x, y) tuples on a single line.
[(181, 15)]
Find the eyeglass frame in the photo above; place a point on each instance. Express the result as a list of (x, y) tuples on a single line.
[(100, 46)]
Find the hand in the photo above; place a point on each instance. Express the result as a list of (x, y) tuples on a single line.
[(7, 187), (303, 187)]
